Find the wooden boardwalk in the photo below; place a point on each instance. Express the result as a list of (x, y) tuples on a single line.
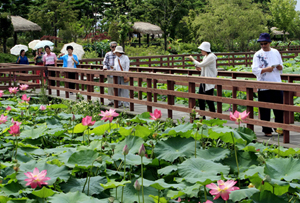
[(138, 109)]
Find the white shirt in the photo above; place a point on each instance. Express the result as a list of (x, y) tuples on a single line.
[(208, 68), (263, 59), (70, 62), (124, 61)]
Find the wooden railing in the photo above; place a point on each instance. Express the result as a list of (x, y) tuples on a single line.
[(182, 61), (152, 79)]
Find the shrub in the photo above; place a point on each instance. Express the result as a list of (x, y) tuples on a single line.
[(7, 58), (113, 31)]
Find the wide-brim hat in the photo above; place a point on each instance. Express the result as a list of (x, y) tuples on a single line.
[(205, 46), (264, 37), (119, 49)]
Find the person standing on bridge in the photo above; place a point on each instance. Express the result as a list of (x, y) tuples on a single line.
[(108, 64), (208, 68), (122, 63), (267, 66), (50, 59)]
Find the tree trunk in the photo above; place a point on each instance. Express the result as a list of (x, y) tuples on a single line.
[(55, 29), (4, 45), (165, 36), (15, 38)]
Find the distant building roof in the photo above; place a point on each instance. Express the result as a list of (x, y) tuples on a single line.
[(146, 28), (275, 31)]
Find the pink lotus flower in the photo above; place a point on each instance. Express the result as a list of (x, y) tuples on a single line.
[(223, 189), (25, 98), (14, 130), (15, 122), (36, 178), (1, 93), (88, 121), (8, 108), (23, 87), (137, 185), (13, 90), (239, 117), (108, 115), (156, 115), (42, 108), (125, 150), (3, 119)]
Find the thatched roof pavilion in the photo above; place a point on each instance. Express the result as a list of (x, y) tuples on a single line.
[(21, 25), (275, 31), (146, 28)]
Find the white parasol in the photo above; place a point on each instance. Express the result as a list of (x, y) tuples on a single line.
[(43, 43), (17, 48), (77, 49), (32, 44)]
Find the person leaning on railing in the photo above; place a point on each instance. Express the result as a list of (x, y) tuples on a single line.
[(70, 60), (122, 63), (208, 68), (267, 66), (108, 64)]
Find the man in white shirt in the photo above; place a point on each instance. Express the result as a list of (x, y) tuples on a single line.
[(267, 66)]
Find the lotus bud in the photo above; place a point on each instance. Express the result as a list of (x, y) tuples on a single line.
[(16, 167), (261, 158), (125, 150), (137, 185), (103, 147), (99, 159), (279, 131), (142, 150), (73, 117)]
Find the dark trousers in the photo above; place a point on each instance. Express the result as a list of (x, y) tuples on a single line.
[(52, 74), (71, 76), (272, 96), (210, 104)]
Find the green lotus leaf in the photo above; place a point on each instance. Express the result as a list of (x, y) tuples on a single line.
[(142, 131), (159, 199), (43, 193), (175, 147), (131, 194), (168, 169), (160, 184), (65, 116), (74, 185), (56, 131), (58, 106), (238, 195), (54, 123), (133, 143), (182, 130), (266, 197), (192, 190), (247, 134), (94, 145), (64, 157), (3, 199), (33, 133), (125, 131), (12, 189), (29, 150), (8, 103), (251, 171), (255, 147), (100, 130), (213, 154), (283, 168), (114, 184), (172, 194), (198, 134), (53, 171), (283, 151), (225, 134), (132, 159), (83, 159), (79, 128), (74, 197), (200, 170), (214, 122), (142, 118), (245, 159)]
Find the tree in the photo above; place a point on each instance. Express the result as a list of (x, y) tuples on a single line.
[(227, 23), (16, 7), (6, 29), (283, 12)]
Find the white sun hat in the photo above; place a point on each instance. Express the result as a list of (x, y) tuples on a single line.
[(205, 46), (119, 49)]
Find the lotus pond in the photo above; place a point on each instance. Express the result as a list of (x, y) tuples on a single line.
[(47, 155)]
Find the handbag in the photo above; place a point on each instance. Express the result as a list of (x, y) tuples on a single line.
[(126, 79)]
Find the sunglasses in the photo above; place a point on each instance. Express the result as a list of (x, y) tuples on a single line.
[(261, 44), (113, 46)]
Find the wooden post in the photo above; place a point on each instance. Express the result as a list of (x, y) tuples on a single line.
[(219, 94), (155, 87), (57, 73), (140, 81), (66, 85), (250, 108), (149, 94), (101, 81), (286, 116), (82, 78), (77, 78), (131, 94), (291, 100), (88, 88), (234, 91), (116, 92), (192, 101), (170, 86)]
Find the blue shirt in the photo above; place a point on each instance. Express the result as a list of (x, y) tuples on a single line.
[(65, 60), (23, 60)]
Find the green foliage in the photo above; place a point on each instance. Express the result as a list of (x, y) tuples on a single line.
[(6, 29), (113, 31), (227, 22), (7, 58), (283, 12)]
